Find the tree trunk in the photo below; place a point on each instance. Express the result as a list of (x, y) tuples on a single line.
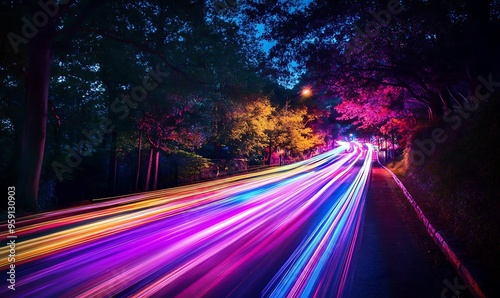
[(386, 149), (217, 150), (379, 146), (270, 153), (117, 176), (148, 172), (157, 163), (112, 166), (393, 150), (129, 166), (34, 130), (138, 162), (176, 173)]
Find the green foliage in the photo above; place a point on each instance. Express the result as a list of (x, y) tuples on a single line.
[(457, 185), (214, 91), (292, 133), (409, 65), (251, 124), (188, 164), (258, 125)]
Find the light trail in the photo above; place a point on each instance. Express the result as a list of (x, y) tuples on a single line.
[(287, 231), (321, 262)]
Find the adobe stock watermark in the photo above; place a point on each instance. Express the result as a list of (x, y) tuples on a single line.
[(30, 28), (121, 107), (453, 290), (372, 29), (427, 146)]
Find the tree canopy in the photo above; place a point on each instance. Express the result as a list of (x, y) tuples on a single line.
[(95, 89), (109, 87), (384, 59)]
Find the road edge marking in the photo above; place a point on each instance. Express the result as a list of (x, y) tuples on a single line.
[(439, 240)]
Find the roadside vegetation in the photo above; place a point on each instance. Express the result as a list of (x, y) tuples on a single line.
[(457, 186)]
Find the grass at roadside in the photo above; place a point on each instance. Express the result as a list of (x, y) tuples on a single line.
[(457, 186)]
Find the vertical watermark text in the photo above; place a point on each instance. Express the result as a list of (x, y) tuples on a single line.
[(11, 237)]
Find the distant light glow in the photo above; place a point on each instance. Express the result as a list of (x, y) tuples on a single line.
[(306, 91)]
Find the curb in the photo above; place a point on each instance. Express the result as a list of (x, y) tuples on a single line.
[(440, 242)]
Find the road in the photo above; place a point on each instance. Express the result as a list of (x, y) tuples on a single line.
[(287, 231)]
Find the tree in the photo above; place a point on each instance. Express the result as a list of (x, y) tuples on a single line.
[(154, 29), (34, 131), (251, 122), (168, 128), (292, 132), (353, 47), (187, 165)]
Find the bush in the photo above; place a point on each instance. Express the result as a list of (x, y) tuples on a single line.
[(187, 165), (457, 185)]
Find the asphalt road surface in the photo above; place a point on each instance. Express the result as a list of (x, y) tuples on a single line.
[(310, 229)]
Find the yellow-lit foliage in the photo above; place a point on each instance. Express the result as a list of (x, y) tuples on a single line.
[(258, 125), (251, 123), (292, 132)]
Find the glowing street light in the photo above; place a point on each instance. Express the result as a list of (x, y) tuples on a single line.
[(306, 91)]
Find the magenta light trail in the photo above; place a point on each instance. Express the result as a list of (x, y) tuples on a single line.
[(319, 265), (284, 232)]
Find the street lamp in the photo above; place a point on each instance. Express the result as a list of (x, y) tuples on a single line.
[(306, 91)]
